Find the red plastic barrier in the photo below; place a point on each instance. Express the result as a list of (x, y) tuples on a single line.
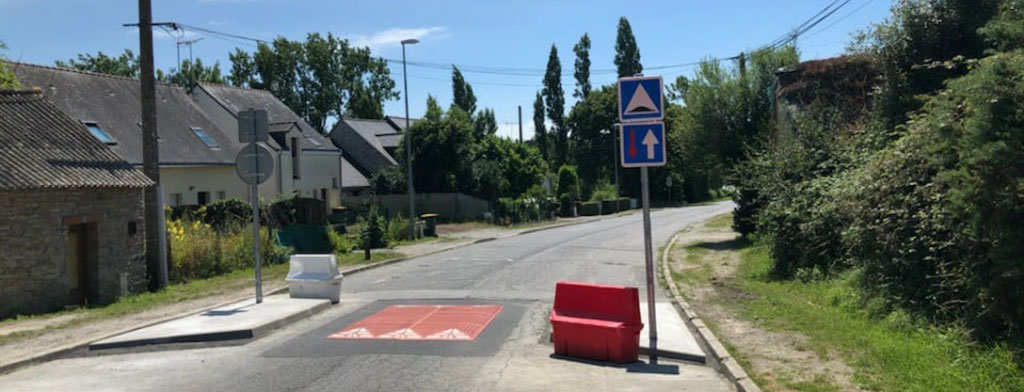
[(596, 321)]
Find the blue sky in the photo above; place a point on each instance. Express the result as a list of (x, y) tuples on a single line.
[(515, 34)]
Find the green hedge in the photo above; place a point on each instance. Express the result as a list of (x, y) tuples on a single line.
[(623, 204), (590, 208), (609, 207)]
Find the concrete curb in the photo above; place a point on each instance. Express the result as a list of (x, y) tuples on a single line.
[(719, 357)]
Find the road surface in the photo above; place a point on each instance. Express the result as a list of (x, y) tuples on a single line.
[(517, 273)]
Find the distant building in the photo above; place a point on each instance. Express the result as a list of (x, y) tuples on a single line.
[(368, 144), (71, 212), (197, 155), (306, 161)]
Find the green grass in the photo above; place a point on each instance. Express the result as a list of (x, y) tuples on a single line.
[(892, 353), (722, 221), (356, 257)]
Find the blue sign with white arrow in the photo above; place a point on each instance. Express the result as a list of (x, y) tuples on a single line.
[(643, 144), (640, 99)]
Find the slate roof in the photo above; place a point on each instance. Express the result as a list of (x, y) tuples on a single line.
[(358, 139), (236, 99), (398, 122), (42, 147), (351, 177), (112, 102)]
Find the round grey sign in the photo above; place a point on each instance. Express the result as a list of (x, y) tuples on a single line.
[(254, 164)]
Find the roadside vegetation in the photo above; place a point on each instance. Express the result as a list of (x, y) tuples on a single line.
[(824, 333)]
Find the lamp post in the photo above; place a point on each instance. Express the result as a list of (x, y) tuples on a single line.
[(408, 142)]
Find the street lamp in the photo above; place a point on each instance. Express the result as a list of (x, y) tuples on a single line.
[(408, 142)]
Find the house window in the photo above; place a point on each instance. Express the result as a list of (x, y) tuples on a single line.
[(221, 195), (295, 159), (323, 194), (334, 183), (176, 200), (203, 198), (207, 140), (100, 134)]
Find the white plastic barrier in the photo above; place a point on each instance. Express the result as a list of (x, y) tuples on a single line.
[(314, 276)]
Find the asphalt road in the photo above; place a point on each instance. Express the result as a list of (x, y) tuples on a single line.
[(518, 273)]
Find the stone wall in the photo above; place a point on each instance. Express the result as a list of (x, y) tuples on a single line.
[(33, 246)]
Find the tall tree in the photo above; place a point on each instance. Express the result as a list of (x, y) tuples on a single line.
[(7, 78), (540, 131), (194, 72), (555, 98), (627, 54), (485, 124), (319, 78), (582, 74), (243, 69), (127, 64), (462, 92)]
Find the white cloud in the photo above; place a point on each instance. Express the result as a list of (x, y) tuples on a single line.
[(395, 35)]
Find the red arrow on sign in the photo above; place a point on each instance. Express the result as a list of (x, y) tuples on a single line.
[(632, 143)]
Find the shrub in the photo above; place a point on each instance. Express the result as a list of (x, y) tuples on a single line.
[(194, 251), (226, 215), (604, 192), (340, 243), (590, 208), (937, 220), (373, 234), (569, 182), (566, 205), (398, 229), (236, 249)]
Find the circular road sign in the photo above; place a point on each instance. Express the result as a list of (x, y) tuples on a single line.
[(254, 164)]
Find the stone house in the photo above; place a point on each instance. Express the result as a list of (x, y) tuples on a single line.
[(71, 212)]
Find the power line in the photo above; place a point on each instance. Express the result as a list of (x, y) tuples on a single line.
[(842, 18)]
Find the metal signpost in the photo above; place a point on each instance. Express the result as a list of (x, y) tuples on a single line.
[(642, 144), (254, 165)]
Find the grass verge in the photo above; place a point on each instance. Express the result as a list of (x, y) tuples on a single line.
[(890, 352)]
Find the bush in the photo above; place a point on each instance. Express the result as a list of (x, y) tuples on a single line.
[(198, 251), (590, 208), (937, 222), (373, 235), (340, 243), (604, 192), (226, 215), (566, 205), (569, 182), (398, 229)]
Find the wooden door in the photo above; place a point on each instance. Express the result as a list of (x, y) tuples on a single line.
[(77, 264)]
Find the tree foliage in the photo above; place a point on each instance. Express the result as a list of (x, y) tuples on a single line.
[(7, 78), (592, 121), (127, 64), (484, 124), (540, 132), (319, 78), (582, 67), (462, 93), (194, 72), (627, 54), (554, 96)]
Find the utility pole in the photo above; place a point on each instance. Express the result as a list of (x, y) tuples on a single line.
[(520, 124), (408, 143), (156, 258)]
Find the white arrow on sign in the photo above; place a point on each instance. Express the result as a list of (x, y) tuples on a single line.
[(650, 141)]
